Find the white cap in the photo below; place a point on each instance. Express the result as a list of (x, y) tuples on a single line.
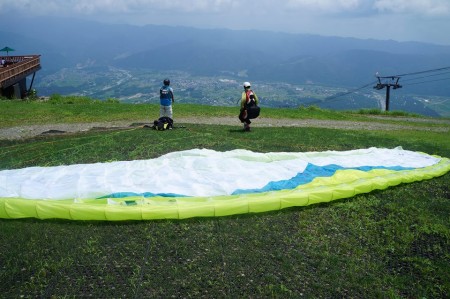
[(246, 84)]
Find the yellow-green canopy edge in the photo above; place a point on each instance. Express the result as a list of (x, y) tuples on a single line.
[(343, 184)]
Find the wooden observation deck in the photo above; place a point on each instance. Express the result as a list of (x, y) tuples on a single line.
[(13, 75)]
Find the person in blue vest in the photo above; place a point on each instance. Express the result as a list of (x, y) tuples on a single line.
[(166, 100)]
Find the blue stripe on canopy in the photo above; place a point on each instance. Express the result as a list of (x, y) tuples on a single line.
[(310, 173), (145, 194)]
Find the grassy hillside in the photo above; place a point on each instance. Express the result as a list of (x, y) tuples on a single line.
[(74, 109), (393, 243), (82, 109)]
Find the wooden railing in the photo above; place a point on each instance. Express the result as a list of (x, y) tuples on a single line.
[(18, 67)]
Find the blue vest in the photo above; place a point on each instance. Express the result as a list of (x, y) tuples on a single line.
[(165, 95)]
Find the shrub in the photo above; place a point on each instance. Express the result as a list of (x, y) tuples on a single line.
[(58, 99)]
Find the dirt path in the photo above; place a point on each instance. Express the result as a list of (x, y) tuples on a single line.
[(22, 132)]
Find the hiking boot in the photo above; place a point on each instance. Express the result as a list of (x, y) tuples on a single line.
[(247, 127)]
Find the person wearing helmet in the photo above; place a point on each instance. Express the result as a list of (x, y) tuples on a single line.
[(249, 106), (166, 100)]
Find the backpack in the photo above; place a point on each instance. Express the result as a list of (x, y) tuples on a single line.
[(251, 106), (163, 123)]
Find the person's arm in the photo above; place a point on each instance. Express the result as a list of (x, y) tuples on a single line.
[(172, 96), (243, 100)]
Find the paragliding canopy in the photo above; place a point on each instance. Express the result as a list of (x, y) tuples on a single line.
[(207, 183)]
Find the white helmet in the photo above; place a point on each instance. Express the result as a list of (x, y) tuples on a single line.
[(246, 84)]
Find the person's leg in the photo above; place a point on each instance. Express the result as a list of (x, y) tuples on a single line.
[(162, 111), (169, 111), (242, 115), (247, 124)]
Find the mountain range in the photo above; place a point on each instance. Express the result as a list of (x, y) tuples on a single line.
[(260, 55)]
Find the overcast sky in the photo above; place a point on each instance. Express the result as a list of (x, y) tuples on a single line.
[(401, 20)]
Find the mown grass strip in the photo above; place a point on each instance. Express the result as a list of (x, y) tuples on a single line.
[(18, 113)]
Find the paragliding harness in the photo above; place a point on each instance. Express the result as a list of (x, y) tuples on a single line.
[(251, 109), (163, 123)]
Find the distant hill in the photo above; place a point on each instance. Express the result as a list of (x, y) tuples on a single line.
[(262, 55)]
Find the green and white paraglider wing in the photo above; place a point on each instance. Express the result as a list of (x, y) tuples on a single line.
[(207, 183)]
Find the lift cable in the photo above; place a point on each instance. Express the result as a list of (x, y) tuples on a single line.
[(338, 95), (350, 91), (434, 75), (415, 83), (420, 72)]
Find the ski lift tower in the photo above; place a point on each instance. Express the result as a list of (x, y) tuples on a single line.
[(389, 82)]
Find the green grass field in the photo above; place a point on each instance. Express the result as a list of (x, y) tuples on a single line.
[(393, 243)]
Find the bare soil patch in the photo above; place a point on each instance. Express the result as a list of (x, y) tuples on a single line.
[(29, 131)]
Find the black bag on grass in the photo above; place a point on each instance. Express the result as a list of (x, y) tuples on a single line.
[(163, 123)]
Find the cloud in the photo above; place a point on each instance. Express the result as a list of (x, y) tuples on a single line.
[(325, 6), (418, 7), (117, 6), (430, 8), (425, 20), (90, 7)]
